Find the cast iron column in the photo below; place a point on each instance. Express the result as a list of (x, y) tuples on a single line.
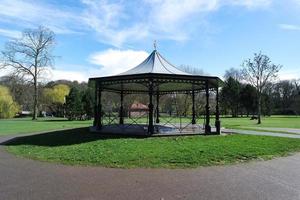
[(99, 118), (193, 107), (121, 114), (150, 106), (217, 123), (207, 126), (157, 108), (96, 105)]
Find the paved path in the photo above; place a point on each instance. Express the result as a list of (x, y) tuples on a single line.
[(267, 133), (27, 179), (290, 130)]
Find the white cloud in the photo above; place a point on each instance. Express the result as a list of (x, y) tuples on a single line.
[(55, 74), (10, 33), (114, 61), (170, 12), (4, 71), (108, 62), (251, 3), (119, 22), (289, 74), (107, 20), (170, 19), (32, 13), (176, 19), (50, 74), (290, 27)]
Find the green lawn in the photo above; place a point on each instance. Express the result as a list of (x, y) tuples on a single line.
[(26, 125), (79, 147), (273, 121)]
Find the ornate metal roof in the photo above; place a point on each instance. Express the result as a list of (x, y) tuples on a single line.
[(156, 64), (166, 77)]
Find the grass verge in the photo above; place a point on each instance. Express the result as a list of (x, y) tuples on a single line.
[(26, 125), (79, 147)]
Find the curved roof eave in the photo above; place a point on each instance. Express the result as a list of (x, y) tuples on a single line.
[(156, 66)]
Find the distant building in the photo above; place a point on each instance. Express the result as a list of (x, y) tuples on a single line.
[(138, 110)]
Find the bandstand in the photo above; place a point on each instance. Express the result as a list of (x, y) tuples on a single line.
[(154, 78)]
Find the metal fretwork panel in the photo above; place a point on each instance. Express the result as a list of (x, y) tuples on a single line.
[(156, 104), (175, 114)]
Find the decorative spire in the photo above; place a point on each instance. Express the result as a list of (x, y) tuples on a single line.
[(154, 44)]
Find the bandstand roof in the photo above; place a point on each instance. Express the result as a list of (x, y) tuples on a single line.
[(157, 64), (165, 76)]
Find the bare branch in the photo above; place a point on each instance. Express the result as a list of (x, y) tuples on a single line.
[(259, 72), (30, 55)]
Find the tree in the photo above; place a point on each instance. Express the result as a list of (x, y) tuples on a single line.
[(167, 104), (54, 98), (285, 96), (230, 95), (248, 98), (8, 108), (234, 73), (284, 91), (191, 70), (258, 72), (74, 108), (183, 103), (29, 56), (88, 103), (20, 90), (296, 104)]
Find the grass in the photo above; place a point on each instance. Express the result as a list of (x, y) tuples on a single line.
[(26, 125), (79, 147), (265, 130), (273, 121)]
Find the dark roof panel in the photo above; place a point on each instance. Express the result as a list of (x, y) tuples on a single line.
[(166, 76), (157, 64)]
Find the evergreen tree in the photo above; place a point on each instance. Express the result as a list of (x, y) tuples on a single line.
[(88, 103), (230, 95), (74, 108), (248, 99)]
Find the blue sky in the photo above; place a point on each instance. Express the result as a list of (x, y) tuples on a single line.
[(98, 38)]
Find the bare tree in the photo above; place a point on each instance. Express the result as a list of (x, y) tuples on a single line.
[(236, 74), (296, 83), (191, 70), (29, 56), (258, 72)]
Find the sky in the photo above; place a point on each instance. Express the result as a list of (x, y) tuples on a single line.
[(106, 37)]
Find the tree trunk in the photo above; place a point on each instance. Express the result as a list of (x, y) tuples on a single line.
[(35, 95), (35, 101), (259, 109)]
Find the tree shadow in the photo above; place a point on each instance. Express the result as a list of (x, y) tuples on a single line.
[(62, 138)]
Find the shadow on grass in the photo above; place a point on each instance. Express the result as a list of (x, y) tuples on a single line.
[(62, 138)]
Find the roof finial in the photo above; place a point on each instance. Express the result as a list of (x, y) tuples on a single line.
[(154, 44)]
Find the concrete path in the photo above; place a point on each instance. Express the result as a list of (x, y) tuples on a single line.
[(290, 130), (267, 133), (28, 179)]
